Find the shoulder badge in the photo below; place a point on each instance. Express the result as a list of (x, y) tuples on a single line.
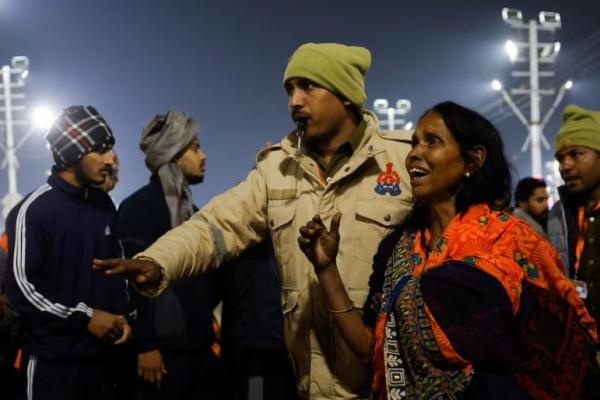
[(388, 182)]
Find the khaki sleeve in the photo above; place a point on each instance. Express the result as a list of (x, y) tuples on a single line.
[(221, 230)]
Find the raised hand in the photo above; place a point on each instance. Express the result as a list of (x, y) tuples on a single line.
[(318, 244)]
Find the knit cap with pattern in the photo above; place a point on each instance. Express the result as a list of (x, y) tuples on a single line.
[(77, 131)]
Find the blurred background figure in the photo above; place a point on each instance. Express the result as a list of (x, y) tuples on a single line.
[(254, 351), (173, 333), (574, 223), (531, 204)]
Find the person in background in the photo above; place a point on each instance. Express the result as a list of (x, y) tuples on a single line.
[(531, 204), (173, 333), (12, 387), (73, 318), (574, 222), (253, 346), (336, 158), (474, 303)]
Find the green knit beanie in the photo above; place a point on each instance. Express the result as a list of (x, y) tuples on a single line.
[(580, 127), (338, 68)]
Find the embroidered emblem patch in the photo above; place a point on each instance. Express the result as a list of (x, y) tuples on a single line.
[(388, 182)]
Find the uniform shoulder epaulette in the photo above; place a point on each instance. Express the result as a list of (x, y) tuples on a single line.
[(396, 134), (262, 154)]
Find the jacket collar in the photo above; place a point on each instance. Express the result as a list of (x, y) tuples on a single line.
[(59, 183), (290, 142)]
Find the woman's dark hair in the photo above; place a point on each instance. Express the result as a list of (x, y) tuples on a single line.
[(491, 183)]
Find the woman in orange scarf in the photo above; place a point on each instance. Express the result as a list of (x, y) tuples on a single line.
[(474, 304)]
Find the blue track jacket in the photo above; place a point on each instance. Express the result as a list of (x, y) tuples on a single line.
[(54, 233)]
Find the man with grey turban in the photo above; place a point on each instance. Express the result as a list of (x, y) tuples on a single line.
[(173, 333)]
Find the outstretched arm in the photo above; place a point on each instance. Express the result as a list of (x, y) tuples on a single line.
[(145, 273), (321, 247), (221, 230)]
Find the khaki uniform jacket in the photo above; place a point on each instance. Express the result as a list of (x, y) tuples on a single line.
[(281, 194)]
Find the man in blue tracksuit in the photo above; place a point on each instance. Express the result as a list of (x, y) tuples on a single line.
[(74, 317)]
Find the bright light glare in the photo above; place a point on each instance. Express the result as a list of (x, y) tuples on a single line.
[(556, 47), (408, 126), (511, 49), (43, 118), (568, 84), (496, 85), (24, 74)]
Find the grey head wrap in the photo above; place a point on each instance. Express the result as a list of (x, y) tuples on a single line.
[(162, 139)]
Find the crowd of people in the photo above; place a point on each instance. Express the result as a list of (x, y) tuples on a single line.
[(351, 263)]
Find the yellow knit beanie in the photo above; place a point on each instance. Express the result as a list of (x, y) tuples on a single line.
[(338, 68), (580, 127)]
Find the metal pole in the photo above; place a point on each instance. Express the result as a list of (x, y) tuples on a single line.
[(535, 129), (12, 197), (391, 112)]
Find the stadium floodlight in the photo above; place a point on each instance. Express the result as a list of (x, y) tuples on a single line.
[(556, 48), (550, 19), (568, 84), (20, 65), (512, 16), (512, 50), (403, 106), (550, 50), (381, 106), (496, 85)]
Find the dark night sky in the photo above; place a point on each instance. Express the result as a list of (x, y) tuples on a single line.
[(222, 62)]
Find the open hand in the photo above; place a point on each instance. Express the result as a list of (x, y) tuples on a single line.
[(318, 244), (151, 367)]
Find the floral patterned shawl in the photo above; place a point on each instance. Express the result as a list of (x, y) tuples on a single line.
[(419, 354)]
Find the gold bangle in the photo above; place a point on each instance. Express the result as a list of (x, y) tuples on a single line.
[(345, 310)]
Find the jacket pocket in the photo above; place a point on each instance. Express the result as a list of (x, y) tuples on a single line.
[(283, 233), (374, 220), (289, 300)]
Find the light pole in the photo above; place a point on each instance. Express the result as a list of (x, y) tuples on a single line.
[(19, 68), (539, 53), (403, 107), (13, 80)]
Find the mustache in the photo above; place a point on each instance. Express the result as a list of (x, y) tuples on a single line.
[(299, 117)]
